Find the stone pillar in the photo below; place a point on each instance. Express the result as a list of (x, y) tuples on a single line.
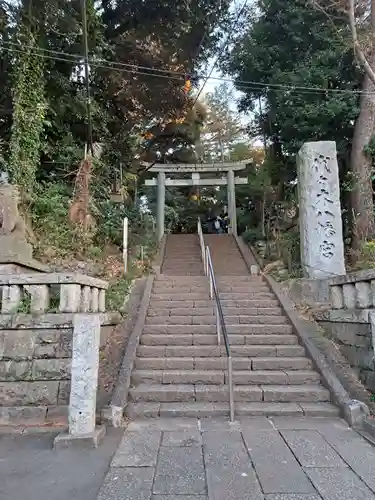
[(322, 246), (84, 383), (160, 206), (232, 214)]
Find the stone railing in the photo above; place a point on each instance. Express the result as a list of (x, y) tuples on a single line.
[(40, 293), (51, 323), (350, 321), (353, 291)]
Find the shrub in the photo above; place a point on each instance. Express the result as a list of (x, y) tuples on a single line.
[(251, 236)]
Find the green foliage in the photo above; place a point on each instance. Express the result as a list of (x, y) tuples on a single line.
[(252, 236), (116, 294), (293, 44), (290, 249), (49, 215), (223, 129), (29, 107), (368, 251), (365, 259)]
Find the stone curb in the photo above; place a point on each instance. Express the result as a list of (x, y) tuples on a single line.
[(159, 257), (31, 430), (355, 412), (114, 414), (50, 320)]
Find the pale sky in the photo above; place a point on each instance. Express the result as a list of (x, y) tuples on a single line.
[(212, 84)]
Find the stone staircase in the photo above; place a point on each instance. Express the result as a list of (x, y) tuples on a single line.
[(181, 371), (182, 256)]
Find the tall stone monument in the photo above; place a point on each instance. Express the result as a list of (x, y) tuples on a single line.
[(322, 246)]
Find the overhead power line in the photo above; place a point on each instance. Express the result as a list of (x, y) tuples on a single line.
[(221, 50), (151, 72)]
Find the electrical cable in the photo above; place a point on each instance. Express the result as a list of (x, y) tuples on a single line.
[(241, 84), (220, 52)]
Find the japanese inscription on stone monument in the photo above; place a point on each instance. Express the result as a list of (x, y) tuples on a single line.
[(322, 248)]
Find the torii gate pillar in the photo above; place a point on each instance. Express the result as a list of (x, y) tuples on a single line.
[(160, 206), (232, 211)]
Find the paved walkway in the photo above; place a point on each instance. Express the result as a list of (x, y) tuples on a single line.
[(283, 458), (31, 470)]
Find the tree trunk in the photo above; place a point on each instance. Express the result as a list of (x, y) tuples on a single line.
[(361, 162), (361, 166)]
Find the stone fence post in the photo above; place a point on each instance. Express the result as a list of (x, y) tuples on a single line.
[(84, 382)]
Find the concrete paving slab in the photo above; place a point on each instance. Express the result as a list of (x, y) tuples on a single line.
[(219, 424), (133, 483), (163, 424), (294, 423), (138, 449), (311, 449), (277, 469), (255, 423), (286, 496), (179, 497), (30, 469), (358, 453), (230, 475), (191, 437), (180, 471), (339, 484)]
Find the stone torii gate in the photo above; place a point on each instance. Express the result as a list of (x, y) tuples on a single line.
[(228, 180)]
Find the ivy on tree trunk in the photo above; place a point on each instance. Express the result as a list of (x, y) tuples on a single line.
[(29, 107)]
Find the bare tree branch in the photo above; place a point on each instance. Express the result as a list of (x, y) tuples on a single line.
[(357, 47)]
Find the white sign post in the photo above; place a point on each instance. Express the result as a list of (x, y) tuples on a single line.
[(125, 245)]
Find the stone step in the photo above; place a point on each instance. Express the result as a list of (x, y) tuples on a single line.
[(202, 351), (221, 363), (164, 297), (215, 377), (211, 339), (206, 329), (242, 295), (226, 304), (223, 287), (281, 363), (185, 272), (269, 313), (219, 377), (183, 264), (201, 410), (253, 293), (263, 301), (265, 377), (255, 288), (212, 393), (197, 319), (180, 279), (220, 279)]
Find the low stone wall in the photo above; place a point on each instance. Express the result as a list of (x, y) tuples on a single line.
[(35, 364), (307, 292), (351, 331), (349, 321)]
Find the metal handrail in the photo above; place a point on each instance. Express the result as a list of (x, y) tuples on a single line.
[(203, 248), (220, 327), (220, 323)]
